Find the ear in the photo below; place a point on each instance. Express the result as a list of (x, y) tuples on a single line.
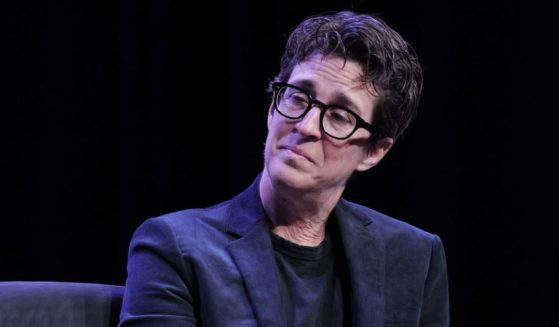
[(375, 153)]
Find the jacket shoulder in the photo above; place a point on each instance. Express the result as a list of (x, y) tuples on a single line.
[(187, 228), (389, 227), (213, 215)]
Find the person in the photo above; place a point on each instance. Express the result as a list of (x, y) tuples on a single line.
[(289, 250)]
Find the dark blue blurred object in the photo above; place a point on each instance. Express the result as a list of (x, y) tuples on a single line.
[(60, 304)]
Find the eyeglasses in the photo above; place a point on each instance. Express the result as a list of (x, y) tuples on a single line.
[(337, 122)]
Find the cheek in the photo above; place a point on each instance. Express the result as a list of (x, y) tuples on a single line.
[(334, 148), (277, 128), (341, 155), (268, 145), (274, 134)]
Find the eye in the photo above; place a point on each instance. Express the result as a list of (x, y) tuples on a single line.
[(339, 116), (295, 99)]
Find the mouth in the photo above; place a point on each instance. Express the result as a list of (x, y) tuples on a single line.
[(298, 152)]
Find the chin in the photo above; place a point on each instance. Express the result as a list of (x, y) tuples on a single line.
[(286, 176)]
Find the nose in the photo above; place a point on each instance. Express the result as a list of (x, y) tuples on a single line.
[(309, 125)]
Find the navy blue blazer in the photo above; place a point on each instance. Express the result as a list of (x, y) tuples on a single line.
[(216, 267)]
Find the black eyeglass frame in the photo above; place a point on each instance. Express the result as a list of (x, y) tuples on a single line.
[(360, 123)]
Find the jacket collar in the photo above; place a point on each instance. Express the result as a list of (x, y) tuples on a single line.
[(254, 255), (365, 258), (246, 211)]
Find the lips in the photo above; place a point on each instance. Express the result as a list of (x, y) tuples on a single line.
[(298, 152)]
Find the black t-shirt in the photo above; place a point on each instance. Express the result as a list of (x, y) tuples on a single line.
[(311, 282)]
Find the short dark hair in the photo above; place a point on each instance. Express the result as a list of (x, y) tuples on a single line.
[(390, 64)]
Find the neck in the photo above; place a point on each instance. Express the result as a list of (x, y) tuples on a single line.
[(299, 216)]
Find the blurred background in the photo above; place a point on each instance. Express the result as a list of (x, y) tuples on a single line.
[(116, 111)]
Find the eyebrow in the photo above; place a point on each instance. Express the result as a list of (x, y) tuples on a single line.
[(341, 99)]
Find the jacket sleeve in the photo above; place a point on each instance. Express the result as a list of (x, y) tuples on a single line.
[(435, 308), (158, 287)]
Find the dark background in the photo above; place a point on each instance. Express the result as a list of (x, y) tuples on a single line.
[(116, 111)]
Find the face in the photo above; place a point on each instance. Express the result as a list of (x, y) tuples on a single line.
[(298, 154)]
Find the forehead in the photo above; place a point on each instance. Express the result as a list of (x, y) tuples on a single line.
[(334, 79), (335, 69)]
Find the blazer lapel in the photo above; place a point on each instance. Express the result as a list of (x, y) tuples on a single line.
[(364, 251), (254, 256)]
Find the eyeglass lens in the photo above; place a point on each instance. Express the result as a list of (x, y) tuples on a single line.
[(335, 121)]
